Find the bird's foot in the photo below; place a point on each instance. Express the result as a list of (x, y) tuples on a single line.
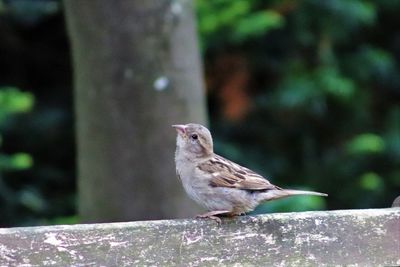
[(212, 215), (215, 218)]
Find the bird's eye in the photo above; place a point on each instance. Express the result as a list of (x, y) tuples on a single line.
[(194, 136)]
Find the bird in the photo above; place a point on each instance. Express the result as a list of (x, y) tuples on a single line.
[(221, 186)]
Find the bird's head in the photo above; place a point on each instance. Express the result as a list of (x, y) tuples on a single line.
[(194, 140)]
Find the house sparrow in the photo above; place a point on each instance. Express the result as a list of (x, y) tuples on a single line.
[(218, 184)]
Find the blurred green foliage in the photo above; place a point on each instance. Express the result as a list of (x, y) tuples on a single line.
[(233, 21), (325, 96), (13, 101), (366, 143), (323, 90), (37, 183)]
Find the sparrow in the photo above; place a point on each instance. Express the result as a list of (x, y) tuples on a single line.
[(221, 186)]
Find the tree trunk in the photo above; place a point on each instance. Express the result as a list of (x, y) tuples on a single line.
[(137, 71)]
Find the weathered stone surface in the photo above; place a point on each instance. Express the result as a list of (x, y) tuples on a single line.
[(326, 238)]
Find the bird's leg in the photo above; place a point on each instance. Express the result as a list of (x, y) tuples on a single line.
[(212, 215)]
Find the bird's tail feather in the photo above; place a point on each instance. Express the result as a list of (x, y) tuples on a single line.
[(292, 192), (281, 193)]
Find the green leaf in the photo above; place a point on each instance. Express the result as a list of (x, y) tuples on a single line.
[(333, 84), (371, 181), (366, 143), (21, 161), (14, 101), (257, 24), (214, 15), (233, 11)]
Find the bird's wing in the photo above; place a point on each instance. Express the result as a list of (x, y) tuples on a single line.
[(226, 173)]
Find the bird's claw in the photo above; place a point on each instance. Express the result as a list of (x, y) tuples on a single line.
[(215, 218)]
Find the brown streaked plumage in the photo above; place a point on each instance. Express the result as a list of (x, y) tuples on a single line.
[(218, 184), (234, 175)]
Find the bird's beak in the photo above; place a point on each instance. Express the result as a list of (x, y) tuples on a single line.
[(180, 128)]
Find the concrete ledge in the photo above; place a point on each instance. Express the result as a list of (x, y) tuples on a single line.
[(325, 238)]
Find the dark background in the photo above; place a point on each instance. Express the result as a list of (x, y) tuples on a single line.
[(305, 92)]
